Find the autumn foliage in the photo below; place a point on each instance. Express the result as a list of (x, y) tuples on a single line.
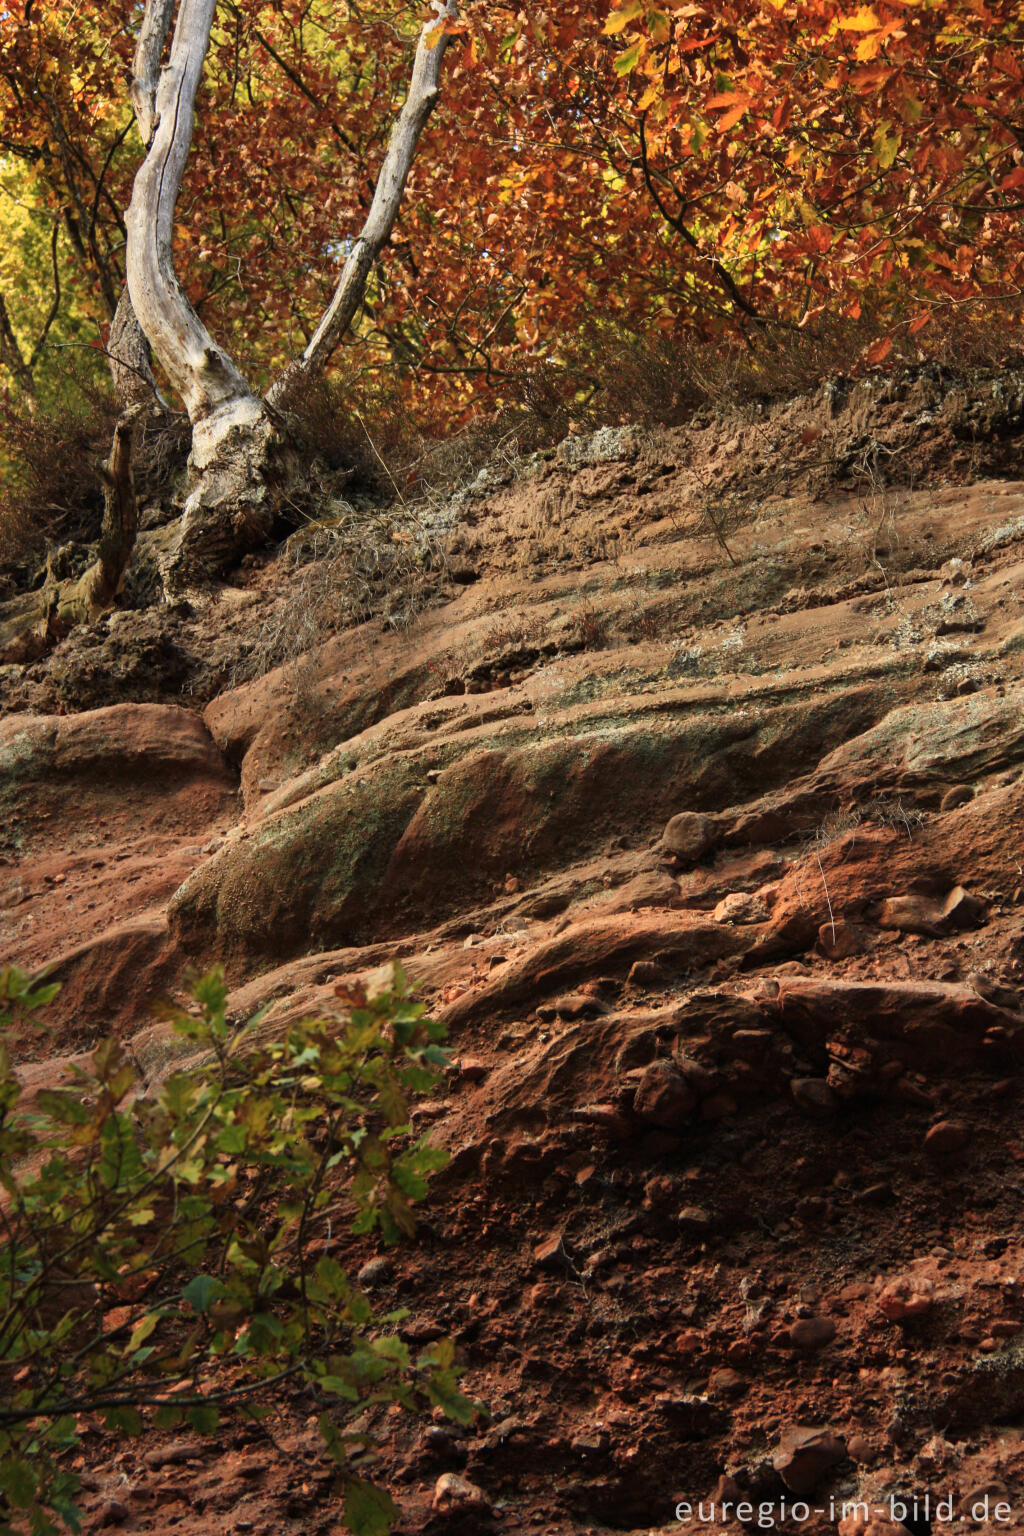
[(718, 172)]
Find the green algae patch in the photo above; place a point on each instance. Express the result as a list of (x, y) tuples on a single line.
[(306, 879)]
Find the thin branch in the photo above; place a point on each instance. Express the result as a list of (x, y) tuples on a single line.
[(676, 222), (55, 305)]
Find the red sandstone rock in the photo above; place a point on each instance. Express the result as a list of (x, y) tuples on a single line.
[(906, 1297)]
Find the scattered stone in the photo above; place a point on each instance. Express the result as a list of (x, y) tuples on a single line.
[(960, 794), (956, 572), (930, 918), (577, 1005), (725, 1382), (805, 1455), (653, 889), (861, 1450), (472, 1070), (374, 1272), (689, 1342), (607, 1117), (905, 1297), (455, 1495), (171, 1455), (695, 1219), (663, 1096), (812, 1332), (689, 836), (813, 1095), (841, 939), (741, 907), (946, 1138), (552, 1253), (648, 973), (595, 1443)]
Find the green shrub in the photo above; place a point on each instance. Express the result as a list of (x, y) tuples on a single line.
[(165, 1257)]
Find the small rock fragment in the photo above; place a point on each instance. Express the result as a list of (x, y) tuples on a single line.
[(648, 973), (741, 907), (689, 836), (578, 1005), (841, 939), (374, 1272), (905, 1297), (813, 1095), (930, 918), (805, 1455), (695, 1219), (861, 1450), (552, 1253), (472, 1070), (812, 1332), (946, 1138), (960, 794), (663, 1096), (455, 1495), (725, 1382)]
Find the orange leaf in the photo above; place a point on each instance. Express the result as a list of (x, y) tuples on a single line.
[(732, 118), (879, 350), (919, 322)]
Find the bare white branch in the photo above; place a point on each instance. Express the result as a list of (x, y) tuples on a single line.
[(424, 91), (149, 50)]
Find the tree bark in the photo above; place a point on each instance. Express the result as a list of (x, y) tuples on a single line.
[(216, 396), (130, 358)]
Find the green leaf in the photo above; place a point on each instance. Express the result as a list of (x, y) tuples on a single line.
[(202, 1291), (369, 1511), (205, 1419), (168, 1416), (142, 1331), (127, 1420), (627, 60), (332, 1439), (67, 1108), (18, 1482)]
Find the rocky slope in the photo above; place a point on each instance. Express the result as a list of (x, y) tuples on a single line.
[(697, 810)]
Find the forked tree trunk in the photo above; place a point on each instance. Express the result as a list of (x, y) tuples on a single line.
[(237, 437)]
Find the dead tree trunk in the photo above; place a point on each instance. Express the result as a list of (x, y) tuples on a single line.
[(30, 624)]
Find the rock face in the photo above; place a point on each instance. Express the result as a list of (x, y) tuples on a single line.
[(713, 872)]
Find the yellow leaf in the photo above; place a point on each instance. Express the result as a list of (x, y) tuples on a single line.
[(619, 20), (863, 20)]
